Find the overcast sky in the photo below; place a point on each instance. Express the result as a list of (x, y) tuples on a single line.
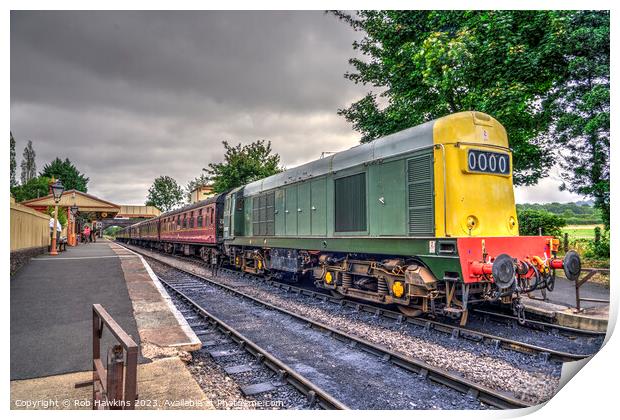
[(129, 96)]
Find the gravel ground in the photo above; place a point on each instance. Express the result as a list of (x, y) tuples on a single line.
[(528, 378), (357, 378), (224, 389), (553, 339)]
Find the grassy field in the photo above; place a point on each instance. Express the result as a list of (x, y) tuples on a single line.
[(580, 231)]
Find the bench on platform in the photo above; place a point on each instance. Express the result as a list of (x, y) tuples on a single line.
[(61, 244)]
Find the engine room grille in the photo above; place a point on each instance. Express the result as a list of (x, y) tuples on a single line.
[(421, 195), (263, 214), (350, 203)]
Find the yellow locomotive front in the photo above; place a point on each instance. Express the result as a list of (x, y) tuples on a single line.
[(474, 203), (474, 193)]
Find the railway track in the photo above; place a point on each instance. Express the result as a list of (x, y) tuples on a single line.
[(210, 324), (455, 331), (383, 355), (393, 364), (539, 325)]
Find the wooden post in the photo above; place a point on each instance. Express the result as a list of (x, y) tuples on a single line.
[(114, 388), (97, 392), (53, 250), (565, 242)]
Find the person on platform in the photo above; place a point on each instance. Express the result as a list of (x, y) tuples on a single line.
[(93, 233), (58, 229), (86, 233)]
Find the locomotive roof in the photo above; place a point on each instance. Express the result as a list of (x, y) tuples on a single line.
[(404, 141)]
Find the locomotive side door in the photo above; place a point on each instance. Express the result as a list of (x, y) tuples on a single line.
[(280, 215), (228, 205), (390, 201), (291, 210), (303, 208)]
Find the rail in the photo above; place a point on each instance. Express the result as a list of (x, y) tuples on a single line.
[(591, 272), (455, 331), (111, 389), (313, 392), (482, 393)]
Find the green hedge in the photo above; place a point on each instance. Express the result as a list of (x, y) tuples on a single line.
[(535, 222)]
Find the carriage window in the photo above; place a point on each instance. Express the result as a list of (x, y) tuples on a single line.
[(212, 211), (200, 218)]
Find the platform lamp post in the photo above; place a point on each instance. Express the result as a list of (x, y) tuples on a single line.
[(57, 190), (74, 211)]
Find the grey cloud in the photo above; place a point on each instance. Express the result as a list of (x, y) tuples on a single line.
[(253, 59), (129, 96)]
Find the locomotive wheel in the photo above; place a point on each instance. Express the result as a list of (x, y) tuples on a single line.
[(409, 311)]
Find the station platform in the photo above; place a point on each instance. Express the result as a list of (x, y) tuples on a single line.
[(559, 306), (51, 324)]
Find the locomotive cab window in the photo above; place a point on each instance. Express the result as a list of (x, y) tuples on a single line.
[(350, 203)]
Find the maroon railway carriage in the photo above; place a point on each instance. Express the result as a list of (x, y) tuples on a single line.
[(193, 230)]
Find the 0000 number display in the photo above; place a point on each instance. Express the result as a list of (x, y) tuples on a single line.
[(488, 162)]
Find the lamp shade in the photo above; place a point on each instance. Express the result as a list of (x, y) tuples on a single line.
[(57, 190), (74, 210)]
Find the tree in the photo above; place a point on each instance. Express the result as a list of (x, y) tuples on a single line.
[(112, 231), (242, 165), (535, 222), (13, 163), (35, 188), (583, 123), (432, 63), (165, 194), (199, 181), (28, 165), (70, 176), (62, 215)]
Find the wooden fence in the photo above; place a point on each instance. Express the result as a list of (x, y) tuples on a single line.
[(29, 228)]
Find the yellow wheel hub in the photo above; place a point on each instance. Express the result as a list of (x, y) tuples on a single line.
[(328, 278), (398, 288), (259, 264)]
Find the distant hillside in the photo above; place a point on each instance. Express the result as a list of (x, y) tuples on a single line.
[(579, 213), (585, 203)]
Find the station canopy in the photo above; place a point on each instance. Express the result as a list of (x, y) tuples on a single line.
[(86, 203)]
